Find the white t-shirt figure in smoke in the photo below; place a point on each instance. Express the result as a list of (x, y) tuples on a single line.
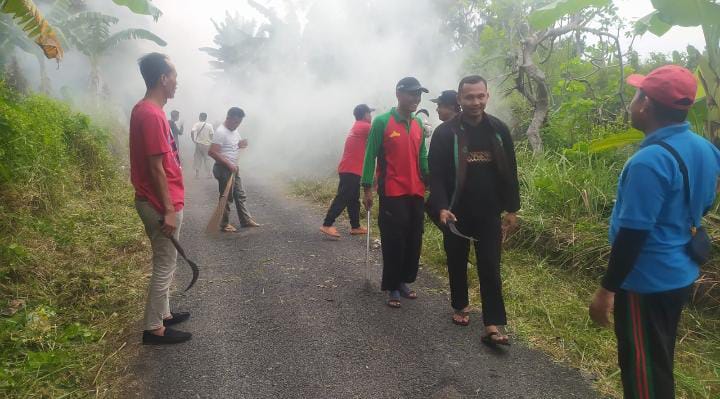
[(230, 143), (202, 131), (225, 149), (201, 134)]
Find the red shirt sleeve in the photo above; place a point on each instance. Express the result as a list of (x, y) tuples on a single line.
[(154, 132)]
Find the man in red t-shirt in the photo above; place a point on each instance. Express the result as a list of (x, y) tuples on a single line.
[(159, 193), (350, 170)]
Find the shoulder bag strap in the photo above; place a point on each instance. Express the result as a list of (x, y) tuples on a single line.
[(684, 171)]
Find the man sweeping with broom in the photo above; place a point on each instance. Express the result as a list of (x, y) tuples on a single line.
[(226, 145)]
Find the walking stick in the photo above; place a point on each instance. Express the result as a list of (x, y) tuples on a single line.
[(367, 251)]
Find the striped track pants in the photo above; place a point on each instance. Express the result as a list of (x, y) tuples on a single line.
[(646, 329)]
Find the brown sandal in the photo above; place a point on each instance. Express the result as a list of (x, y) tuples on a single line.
[(461, 318), (229, 229), (394, 303)]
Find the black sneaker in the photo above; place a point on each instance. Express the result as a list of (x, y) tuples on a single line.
[(178, 317), (171, 337)]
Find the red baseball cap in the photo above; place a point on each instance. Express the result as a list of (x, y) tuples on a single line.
[(671, 85)]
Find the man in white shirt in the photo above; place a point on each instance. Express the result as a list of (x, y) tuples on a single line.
[(225, 147), (201, 134)]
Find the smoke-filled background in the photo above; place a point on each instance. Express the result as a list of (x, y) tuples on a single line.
[(296, 67)]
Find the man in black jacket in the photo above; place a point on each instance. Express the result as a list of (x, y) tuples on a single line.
[(473, 180)]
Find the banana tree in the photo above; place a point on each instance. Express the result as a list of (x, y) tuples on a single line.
[(144, 7), (90, 34), (705, 14), (29, 18)]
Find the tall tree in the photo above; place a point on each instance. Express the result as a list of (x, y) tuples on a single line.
[(89, 32), (528, 31)]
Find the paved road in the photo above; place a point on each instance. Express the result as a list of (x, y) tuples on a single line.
[(280, 312)]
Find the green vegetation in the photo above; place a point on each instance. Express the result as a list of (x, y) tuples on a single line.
[(71, 251)]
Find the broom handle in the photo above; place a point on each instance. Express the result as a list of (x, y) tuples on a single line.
[(229, 185)]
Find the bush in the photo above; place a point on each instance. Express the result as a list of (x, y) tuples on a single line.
[(48, 153)]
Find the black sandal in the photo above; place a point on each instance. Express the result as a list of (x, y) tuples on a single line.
[(487, 339)]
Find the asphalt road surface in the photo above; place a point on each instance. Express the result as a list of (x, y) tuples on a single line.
[(281, 312)]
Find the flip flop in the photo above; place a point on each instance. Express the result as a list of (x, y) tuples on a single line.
[(229, 229), (406, 292), (465, 318), (488, 340), (394, 301)]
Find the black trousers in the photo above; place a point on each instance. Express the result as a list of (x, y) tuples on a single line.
[(646, 329), (487, 255), (401, 228), (348, 196)]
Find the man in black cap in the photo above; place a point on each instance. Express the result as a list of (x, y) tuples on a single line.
[(447, 105), (396, 137), (350, 169)]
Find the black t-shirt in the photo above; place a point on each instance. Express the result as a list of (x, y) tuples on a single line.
[(481, 194)]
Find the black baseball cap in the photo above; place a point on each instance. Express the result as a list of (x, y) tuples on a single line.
[(447, 97), (410, 84), (361, 109)]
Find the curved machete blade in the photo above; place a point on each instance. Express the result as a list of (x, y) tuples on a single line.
[(193, 265), (454, 230)]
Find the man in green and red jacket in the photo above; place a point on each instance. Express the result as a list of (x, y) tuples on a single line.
[(396, 139)]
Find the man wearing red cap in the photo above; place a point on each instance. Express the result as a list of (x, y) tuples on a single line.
[(663, 192)]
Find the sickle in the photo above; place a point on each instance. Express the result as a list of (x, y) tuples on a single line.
[(193, 265), (454, 230)]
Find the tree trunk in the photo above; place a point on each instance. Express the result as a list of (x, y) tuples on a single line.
[(538, 120), (540, 99), (45, 86), (94, 79)]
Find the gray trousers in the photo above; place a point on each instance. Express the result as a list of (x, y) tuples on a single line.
[(237, 195), (164, 262), (201, 158)]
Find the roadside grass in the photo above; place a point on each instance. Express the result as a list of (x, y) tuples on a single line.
[(547, 305), (72, 253), (76, 280)]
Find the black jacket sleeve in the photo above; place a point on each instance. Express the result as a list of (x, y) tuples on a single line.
[(512, 195), (440, 162), (624, 254)]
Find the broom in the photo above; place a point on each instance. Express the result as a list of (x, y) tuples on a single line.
[(214, 223)]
